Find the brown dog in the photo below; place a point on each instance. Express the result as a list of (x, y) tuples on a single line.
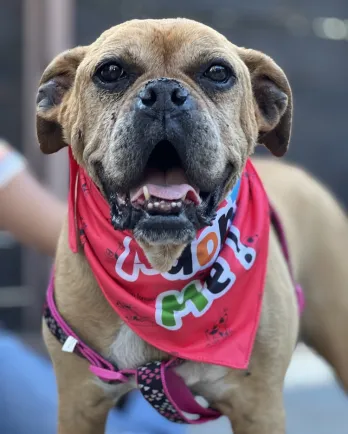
[(89, 98)]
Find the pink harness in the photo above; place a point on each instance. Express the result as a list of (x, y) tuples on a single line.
[(158, 382)]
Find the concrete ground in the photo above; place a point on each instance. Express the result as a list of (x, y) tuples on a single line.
[(314, 402)]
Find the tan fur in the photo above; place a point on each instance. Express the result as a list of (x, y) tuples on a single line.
[(162, 257), (315, 225)]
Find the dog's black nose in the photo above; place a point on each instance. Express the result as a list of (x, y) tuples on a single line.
[(164, 94)]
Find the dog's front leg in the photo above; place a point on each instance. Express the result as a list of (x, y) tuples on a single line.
[(259, 412), (83, 402), (82, 410), (83, 406)]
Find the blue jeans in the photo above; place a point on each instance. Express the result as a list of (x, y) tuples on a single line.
[(28, 398)]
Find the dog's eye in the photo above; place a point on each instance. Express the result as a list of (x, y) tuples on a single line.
[(110, 72), (218, 73)]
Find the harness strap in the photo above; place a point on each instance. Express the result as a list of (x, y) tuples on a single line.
[(277, 224), (159, 384)]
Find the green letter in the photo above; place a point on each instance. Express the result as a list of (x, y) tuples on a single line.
[(171, 305)]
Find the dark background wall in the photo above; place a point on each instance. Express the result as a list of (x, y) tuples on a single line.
[(10, 120), (10, 70)]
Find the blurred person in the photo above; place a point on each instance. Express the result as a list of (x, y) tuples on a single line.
[(28, 395), (28, 211)]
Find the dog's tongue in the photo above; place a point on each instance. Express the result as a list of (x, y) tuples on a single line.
[(169, 185)]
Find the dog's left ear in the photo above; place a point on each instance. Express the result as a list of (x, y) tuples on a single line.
[(272, 100)]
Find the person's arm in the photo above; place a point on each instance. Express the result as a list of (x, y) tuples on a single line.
[(27, 210)]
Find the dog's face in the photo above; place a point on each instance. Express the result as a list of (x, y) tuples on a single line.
[(163, 115)]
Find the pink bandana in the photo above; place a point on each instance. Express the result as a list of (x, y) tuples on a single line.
[(207, 307)]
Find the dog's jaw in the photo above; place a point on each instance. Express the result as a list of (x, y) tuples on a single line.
[(161, 247)]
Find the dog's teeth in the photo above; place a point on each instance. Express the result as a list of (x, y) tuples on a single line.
[(178, 204), (156, 204), (174, 204), (146, 193), (184, 197), (150, 205), (165, 206)]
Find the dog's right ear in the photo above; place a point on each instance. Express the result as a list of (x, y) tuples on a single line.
[(272, 100), (55, 84)]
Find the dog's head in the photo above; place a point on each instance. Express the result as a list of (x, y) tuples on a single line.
[(163, 114)]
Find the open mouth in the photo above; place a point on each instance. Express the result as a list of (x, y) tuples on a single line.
[(164, 188), (164, 203)]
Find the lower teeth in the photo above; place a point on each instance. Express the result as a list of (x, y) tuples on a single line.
[(163, 205)]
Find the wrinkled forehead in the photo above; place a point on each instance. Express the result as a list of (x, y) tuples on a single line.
[(168, 43)]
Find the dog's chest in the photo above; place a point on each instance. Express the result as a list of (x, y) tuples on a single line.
[(130, 351)]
